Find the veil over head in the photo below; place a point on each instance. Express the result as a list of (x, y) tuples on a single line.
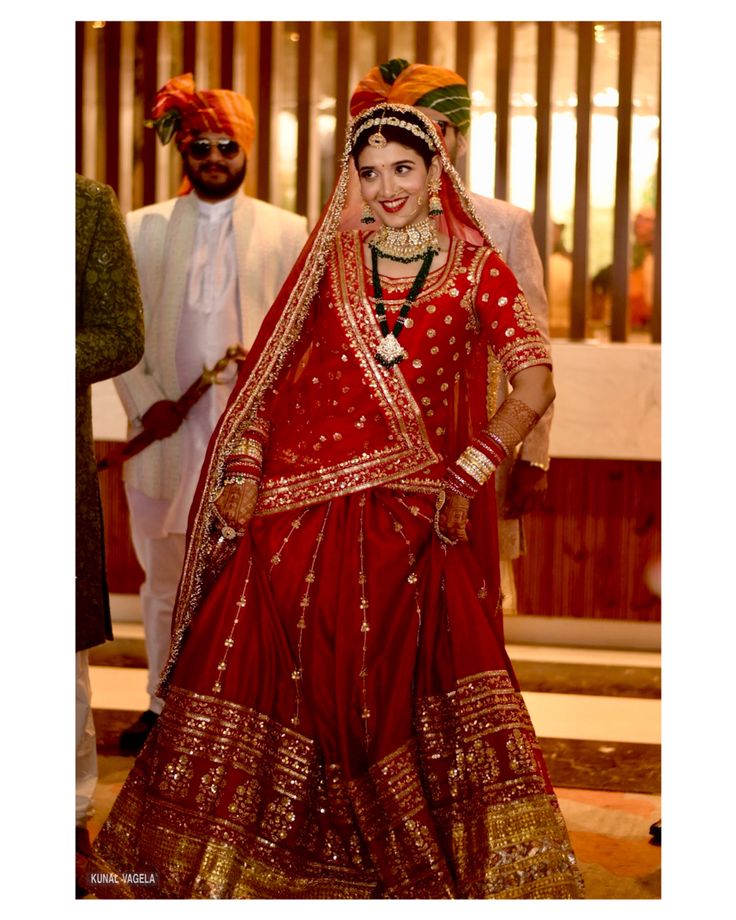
[(283, 331)]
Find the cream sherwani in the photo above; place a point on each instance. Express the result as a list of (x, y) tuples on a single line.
[(267, 243), (510, 229), (209, 273)]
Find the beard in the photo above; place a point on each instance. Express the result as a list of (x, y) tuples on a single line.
[(206, 187)]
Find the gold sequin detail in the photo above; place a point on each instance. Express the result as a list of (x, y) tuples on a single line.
[(229, 643), (298, 673), (460, 811), (523, 314), (278, 555), (365, 712)]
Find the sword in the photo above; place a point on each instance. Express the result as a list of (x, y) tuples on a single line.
[(184, 403)]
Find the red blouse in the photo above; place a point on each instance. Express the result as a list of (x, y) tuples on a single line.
[(341, 422)]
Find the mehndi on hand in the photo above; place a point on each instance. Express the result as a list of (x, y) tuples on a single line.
[(234, 506), (452, 519)]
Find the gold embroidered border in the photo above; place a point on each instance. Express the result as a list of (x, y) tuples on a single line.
[(226, 803), (476, 270), (493, 806), (526, 352)]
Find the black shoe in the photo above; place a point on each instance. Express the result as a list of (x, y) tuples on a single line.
[(134, 737), (655, 832)]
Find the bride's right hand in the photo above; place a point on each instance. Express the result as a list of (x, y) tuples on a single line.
[(236, 503)]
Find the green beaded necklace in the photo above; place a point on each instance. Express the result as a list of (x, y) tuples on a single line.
[(389, 351)]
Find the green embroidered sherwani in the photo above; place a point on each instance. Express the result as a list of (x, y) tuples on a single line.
[(109, 340)]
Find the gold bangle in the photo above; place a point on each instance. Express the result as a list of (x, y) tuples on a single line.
[(248, 447), (476, 464), (472, 470), (482, 460)]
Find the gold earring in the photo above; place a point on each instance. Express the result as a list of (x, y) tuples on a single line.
[(435, 205), (367, 216)]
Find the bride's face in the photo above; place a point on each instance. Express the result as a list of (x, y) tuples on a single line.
[(393, 180)]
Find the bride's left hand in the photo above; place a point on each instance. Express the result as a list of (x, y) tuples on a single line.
[(453, 517)]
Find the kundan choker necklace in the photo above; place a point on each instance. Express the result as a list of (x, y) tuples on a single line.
[(389, 351), (406, 244)]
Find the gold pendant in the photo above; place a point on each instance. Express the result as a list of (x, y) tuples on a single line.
[(389, 351)]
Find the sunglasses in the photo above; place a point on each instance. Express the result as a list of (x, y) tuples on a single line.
[(200, 149), (443, 126)]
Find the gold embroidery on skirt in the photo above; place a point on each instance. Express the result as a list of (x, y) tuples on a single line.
[(177, 777), (226, 803)]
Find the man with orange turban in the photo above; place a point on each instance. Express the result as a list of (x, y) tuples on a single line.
[(443, 95), (210, 262)]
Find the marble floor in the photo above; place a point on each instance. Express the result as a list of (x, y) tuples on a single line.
[(597, 714)]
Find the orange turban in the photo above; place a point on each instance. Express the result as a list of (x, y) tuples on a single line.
[(181, 111), (415, 84)]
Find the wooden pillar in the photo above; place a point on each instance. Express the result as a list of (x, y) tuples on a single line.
[(79, 97), (545, 57), (304, 119), (504, 56), (227, 49), (265, 52), (622, 219), (579, 293)]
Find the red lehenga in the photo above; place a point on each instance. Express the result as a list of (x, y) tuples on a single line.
[(341, 719)]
